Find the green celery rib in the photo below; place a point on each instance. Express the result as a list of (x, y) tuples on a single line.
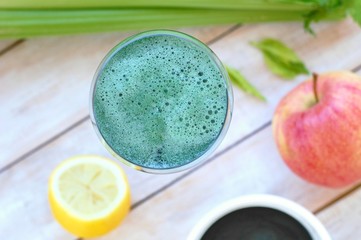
[(217, 4), (29, 23), (76, 22), (39, 16), (115, 21)]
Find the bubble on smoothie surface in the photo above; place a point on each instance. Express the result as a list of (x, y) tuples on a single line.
[(160, 102)]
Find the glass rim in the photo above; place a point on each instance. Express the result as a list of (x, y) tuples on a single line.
[(228, 115)]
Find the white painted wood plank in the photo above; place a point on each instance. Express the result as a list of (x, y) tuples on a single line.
[(336, 47), (251, 168), (248, 115), (23, 188), (56, 73), (343, 218)]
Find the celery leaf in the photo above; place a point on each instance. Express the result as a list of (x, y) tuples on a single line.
[(355, 11), (280, 59), (240, 81)]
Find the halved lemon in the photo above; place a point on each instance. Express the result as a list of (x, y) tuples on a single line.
[(89, 195)]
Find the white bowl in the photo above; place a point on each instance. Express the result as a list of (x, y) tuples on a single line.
[(314, 227)]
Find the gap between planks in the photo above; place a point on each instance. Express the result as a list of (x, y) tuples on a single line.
[(219, 154), (44, 144), (338, 198), (238, 142), (11, 46), (264, 126), (83, 119), (353, 189), (140, 202)]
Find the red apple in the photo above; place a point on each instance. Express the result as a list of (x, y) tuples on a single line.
[(317, 127)]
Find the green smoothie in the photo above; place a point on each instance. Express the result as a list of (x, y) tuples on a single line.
[(160, 101)]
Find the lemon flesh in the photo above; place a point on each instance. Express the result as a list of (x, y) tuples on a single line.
[(89, 195)]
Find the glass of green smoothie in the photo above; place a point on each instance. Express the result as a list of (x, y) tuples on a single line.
[(161, 101)]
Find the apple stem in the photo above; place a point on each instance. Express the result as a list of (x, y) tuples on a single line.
[(315, 77)]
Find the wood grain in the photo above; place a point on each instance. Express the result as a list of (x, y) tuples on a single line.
[(23, 188), (34, 95), (252, 167), (46, 85), (39, 109), (343, 218), (249, 113), (332, 49)]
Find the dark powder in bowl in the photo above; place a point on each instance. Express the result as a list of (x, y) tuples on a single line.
[(257, 223)]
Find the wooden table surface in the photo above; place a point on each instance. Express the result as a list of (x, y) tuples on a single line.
[(44, 119)]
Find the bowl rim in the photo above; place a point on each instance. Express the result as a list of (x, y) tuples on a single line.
[(293, 209)]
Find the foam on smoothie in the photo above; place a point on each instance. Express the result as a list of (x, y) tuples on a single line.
[(160, 102)]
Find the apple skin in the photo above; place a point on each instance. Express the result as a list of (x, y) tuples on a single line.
[(321, 142)]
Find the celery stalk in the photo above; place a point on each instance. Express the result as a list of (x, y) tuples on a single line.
[(37, 23), (215, 4), (23, 19)]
